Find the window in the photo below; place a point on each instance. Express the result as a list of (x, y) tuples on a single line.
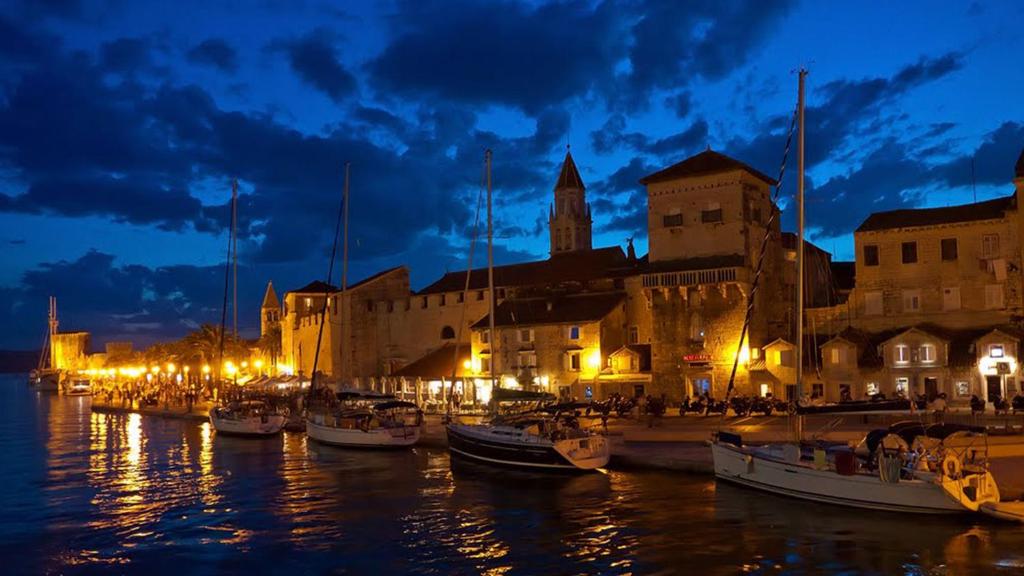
[(911, 300), (755, 215), (408, 304), (671, 220), (909, 250), (574, 361), (818, 389), (870, 255), (990, 246), (787, 358), (461, 297), (527, 360), (634, 334), (873, 303), (574, 333), (871, 388), (951, 298), (309, 303), (902, 354), (423, 302), (949, 252), (765, 390), (443, 298), (485, 365), (696, 328), (526, 335), (391, 305), (447, 333), (479, 295), (995, 350), (902, 384), (711, 214), (993, 296), (963, 388), (837, 355), (927, 353), (369, 305)]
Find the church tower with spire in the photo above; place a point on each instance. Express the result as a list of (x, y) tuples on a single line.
[(270, 311), (569, 219)]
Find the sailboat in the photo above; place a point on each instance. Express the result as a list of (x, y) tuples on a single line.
[(355, 418), (525, 429), (46, 377), (907, 469), (252, 416)]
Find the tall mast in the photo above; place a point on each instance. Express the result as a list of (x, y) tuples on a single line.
[(344, 251), (234, 255), (342, 215), (800, 240), (490, 274)]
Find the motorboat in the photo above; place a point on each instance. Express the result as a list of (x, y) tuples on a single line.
[(545, 436), (248, 418), (939, 470), (356, 419), (78, 387)]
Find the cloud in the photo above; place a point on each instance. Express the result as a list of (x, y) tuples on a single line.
[(214, 52), (501, 52), (125, 55), (314, 59), (612, 137)]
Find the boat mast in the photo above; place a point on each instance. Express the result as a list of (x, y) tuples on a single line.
[(490, 275), (234, 256), (800, 248), (342, 217)]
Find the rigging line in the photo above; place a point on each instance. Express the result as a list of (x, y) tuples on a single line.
[(342, 208), (465, 289), (760, 263), (227, 279)]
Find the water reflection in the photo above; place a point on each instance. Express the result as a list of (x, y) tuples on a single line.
[(89, 492)]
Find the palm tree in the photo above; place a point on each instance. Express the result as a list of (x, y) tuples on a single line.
[(204, 344)]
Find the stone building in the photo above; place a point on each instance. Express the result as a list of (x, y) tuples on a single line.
[(555, 343), (707, 218), (936, 304), (569, 220)]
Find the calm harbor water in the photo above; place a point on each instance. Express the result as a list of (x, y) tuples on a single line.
[(96, 493)]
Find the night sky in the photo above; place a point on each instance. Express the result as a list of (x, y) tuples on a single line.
[(123, 123)]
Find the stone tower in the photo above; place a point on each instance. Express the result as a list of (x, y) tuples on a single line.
[(270, 311), (569, 221)]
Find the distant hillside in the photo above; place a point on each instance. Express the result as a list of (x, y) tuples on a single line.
[(18, 360)]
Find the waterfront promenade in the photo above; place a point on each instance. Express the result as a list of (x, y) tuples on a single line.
[(679, 443)]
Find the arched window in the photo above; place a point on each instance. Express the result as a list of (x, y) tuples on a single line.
[(447, 333)]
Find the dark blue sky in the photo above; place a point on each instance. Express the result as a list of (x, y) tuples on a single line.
[(122, 124)]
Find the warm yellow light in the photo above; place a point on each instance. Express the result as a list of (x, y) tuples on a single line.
[(467, 364), (230, 368), (186, 369), (155, 369), (171, 367), (258, 364), (745, 355), (245, 364), (285, 369), (476, 364), (594, 360), (206, 368)]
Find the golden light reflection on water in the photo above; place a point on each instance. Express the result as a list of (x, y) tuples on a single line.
[(125, 488)]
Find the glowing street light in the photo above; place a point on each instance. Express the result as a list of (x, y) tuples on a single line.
[(171, 368)]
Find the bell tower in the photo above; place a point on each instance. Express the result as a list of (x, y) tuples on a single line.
[(270, 311), (569, 220)]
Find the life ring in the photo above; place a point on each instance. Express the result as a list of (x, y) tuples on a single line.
[(952, 467)]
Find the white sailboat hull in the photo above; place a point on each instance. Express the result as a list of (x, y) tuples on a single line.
[(269, 425), (396, 437), (747, 467)]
